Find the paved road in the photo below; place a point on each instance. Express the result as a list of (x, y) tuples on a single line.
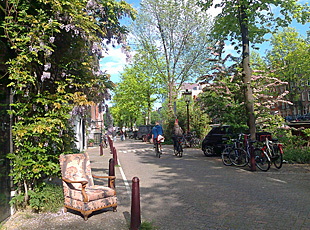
[(198, 192)]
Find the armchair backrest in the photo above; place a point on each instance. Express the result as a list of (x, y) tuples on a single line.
[(76, 167)]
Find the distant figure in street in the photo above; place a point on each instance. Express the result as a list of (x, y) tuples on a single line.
[(114, 134), (157, 130), (177, 132), (123, 133)]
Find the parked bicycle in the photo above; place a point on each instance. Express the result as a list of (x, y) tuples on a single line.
[(231, 147), (274, 151), (242, 156), (191, 140)]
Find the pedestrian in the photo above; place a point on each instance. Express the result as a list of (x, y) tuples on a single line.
[(157, 130), (123, 133), (114, 134)]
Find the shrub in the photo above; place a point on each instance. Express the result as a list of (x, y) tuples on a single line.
[(45, 198)]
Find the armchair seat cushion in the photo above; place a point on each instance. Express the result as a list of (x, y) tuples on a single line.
[(94, 192), (92, 205)]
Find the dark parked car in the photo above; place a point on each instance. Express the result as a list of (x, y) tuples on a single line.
[(215, 141), (145, 132)]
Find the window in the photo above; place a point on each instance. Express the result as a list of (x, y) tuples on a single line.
[(303, 96)]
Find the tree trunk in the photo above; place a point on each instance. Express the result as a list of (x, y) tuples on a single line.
[(246, 74), (170, 92)]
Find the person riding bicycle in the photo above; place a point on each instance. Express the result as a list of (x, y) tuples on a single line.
[(177, 132), (157, 130)]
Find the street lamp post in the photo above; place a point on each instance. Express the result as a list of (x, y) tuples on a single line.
[(187, 98)]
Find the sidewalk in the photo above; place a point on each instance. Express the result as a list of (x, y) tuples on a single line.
[(106, 219)]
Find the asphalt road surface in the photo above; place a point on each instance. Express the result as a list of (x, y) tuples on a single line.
[(198, 192)]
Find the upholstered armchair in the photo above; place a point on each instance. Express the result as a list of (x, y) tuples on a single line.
[(80, 193)]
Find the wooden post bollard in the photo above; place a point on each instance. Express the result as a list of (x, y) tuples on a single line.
[(111, 170), (115, 156), (253, 163), (101, 149), (135, 205), (252, 159), (110, 143)]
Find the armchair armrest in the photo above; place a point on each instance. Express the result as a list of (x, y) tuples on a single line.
[(109, 177), (111, 180), (83, 182)]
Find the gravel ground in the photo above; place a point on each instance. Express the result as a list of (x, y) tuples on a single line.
[(60, 220)]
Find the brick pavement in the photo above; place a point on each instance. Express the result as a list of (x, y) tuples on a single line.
[(271, 211)]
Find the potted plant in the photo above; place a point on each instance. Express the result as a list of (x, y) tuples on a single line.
[(91, 142)]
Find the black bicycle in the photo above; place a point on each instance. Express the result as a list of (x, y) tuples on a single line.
[(178, 150), (157, 148)]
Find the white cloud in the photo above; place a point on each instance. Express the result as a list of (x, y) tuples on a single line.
[(114, 62), (215, 11)]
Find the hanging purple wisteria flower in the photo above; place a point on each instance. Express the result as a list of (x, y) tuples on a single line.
[(52, 39), (45, 75), (47, 66)]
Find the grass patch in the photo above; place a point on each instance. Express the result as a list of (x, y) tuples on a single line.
[(145, 225)]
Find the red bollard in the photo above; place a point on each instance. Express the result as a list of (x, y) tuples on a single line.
[(115, 156), (111, 170), (135, 205), (101, 150)]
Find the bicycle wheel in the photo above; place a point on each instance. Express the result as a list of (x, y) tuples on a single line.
[(175, 152), (238, 157), (277, 157), (225, 156), (180, 150), (196, 142), (157, 150), (208, 151), (261, 160)]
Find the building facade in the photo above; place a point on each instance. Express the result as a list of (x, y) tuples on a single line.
[(300, 97)]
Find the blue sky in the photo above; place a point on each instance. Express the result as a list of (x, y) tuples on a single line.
[(115, 61)]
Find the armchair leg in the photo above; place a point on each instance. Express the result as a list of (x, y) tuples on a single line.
[(86, 214), (65, 210), (114, 209)]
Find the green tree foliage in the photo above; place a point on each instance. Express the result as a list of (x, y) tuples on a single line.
[(52, 67), (290, 56), (199, 121), (245, 22), (139, 87), (222, 99), (176, 35)]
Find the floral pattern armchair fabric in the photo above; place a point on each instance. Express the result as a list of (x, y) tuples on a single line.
[(79, 190)]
